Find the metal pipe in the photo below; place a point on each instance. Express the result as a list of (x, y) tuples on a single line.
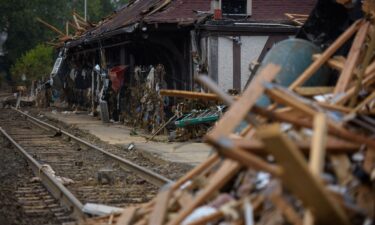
[(85, 10)]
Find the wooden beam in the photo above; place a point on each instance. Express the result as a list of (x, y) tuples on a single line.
[(159, 214), (315, 66), (312, 91), (286, 209), (334, 146), (299, 180), (226, 171), (336, 62), (352, 59), (237, 111), (367, 81), (189, 94), (364, 66), (213, 159), (317, 155), (127, 216), (50, 26), (284, 97), (228, 149), (342, 167), (366, 101)]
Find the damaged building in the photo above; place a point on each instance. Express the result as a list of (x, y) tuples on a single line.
[(150, 45)]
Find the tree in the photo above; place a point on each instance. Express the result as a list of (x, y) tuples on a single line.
[(33, 65), (18, 18)]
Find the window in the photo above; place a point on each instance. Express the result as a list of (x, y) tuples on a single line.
[(234, 6)]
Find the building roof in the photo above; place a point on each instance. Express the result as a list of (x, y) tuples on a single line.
[(154, 11), (274, 10), (188, 12)]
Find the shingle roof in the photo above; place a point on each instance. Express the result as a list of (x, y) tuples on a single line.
[(273, 10)]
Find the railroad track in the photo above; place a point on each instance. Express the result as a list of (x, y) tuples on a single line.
[(75, 171)]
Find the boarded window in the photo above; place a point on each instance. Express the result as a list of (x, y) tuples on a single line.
[(234, 6)]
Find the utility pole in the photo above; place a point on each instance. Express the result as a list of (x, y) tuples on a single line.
[(85, 10)]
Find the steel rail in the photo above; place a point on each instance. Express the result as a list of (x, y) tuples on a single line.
[(57, 189), (144, 173)]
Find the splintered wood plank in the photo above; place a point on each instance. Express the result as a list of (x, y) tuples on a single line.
[(228, 149), (369, 163), (318, 144), (283, 96), (298, 179), (158, 215), (336, 63), (241, 107), (333, 146), (317, 155), (315, 66), (367, 81), (312, 91), (227, 170), (367, 100), (213, 159), (342, 167), (126, 216), (286, 209), (352, 59)]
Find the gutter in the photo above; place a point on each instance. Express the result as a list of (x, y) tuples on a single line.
[(83, 40)]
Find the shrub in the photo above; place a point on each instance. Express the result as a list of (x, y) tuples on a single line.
[(33, 65)]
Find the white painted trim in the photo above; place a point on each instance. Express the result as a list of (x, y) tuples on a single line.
[(249, 8)]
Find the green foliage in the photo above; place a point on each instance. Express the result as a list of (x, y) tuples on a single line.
[(18, 18), (34, 64)]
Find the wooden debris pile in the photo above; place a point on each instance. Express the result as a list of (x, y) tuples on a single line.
[(78, 25), (302, 160)]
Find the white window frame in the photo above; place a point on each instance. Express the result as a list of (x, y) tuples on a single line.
[(249, 7)]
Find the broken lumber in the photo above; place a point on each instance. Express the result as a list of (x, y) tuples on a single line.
[(311, 191)]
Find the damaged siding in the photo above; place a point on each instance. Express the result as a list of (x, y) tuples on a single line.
[(221, 59), (251, 48), (225, 63)]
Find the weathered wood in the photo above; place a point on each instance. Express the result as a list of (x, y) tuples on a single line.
[(364, 66), (312, 91), (298, 179), (317, 155), (213, 159), (283, 97), (367, 81), (227, 148), (326, 55), (333, 146), (126, 216), (217, 181), (318, 144), (158, 215), (189, 94), (338, 108), (369, 162), (50, 27), (352, 59), (237, 111), (342, 167), (286, 209), (336, 63), (366, 101)]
